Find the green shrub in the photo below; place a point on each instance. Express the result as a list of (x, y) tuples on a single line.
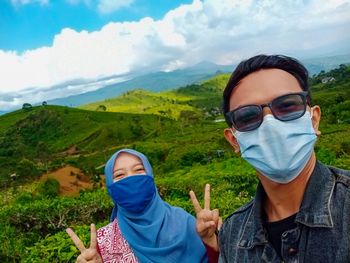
[(13, 243), (49, 189), (56, 248), (185, 155), (27, 169), (49, 216), (24, 198), (325, 155)]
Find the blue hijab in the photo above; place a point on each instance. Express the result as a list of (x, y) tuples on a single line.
[(161, 232)]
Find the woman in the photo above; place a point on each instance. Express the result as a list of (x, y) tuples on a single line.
[(143, 227)]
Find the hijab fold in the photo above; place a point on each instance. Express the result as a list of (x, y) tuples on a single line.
[(160, 233)]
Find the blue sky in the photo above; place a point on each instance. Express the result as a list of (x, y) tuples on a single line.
[(54, 43), (31, 24)]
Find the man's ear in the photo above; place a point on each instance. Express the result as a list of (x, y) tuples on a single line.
[(316, 117), (231, 139)]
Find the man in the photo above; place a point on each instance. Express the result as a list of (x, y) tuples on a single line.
[(301, 211)]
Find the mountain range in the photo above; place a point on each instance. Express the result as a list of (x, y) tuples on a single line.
[(160, 81), (157, 81)]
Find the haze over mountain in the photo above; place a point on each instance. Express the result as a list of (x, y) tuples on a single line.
[(104, 88), (178, 130), (157, 81), (47, 59), (316, 65)]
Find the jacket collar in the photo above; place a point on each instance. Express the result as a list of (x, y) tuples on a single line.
[(253, 231), (314, 211)]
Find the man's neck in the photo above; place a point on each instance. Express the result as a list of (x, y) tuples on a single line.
[(283, 200)]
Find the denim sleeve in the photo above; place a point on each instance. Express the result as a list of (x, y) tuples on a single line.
[(222, 256)]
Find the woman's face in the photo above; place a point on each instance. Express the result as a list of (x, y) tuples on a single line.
[(125, 165)]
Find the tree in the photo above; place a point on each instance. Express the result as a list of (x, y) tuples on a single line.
[(49, 189), (101, 108), (136, 128), (189, 116), (339, 98), (43, 153), (26, 169), (26, 106)]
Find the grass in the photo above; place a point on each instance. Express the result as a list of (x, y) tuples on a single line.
[(186, 151)]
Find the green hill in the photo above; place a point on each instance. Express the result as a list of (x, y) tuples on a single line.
[(197, 98), (185, 146), (41, 133), (144, 102), (156, 81)]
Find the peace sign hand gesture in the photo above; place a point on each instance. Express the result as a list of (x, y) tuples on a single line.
[(208, 221), (87, 254)]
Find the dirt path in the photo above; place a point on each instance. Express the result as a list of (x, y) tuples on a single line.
[(71, 180)]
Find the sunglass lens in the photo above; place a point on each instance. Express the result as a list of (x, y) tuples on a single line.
[(289, 107), (247, 118)]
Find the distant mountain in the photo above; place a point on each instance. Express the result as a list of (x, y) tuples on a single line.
[(112, 86), (316, 65), (157, 81), (171, 103), (2, 112)]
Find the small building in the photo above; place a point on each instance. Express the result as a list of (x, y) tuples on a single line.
[(327, 80)]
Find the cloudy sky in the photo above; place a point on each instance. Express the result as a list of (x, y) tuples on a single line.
[(47, 43)]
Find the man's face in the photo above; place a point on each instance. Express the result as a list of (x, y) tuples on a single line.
[(261, 87)]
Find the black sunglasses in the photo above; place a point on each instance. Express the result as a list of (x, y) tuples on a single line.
[(284, 108)]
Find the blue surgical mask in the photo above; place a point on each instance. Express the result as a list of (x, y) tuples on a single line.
[(278, 149), (133, 193)]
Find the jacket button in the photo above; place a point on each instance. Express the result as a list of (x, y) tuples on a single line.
[(292, 251)]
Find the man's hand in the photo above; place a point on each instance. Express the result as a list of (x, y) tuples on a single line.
[(208, 221), (87, 254)]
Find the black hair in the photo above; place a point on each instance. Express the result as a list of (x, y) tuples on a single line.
[(244, 68)]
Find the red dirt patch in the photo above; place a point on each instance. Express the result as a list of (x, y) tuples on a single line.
[(71, 180)]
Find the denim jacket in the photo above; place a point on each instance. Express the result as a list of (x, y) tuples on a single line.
[(323, 225)]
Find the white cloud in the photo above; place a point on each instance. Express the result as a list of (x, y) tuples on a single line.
[(110, 6), (223, 32)]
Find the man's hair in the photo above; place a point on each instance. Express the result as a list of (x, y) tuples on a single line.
[(288, 64)]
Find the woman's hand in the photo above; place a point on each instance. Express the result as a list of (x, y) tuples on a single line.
[(208, 221), (87, 254)]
